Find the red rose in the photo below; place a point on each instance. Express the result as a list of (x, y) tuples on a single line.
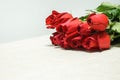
[(90, 42), (103, 40), (50, 19), (98, 22), (64, 26), (69, 26), (74, 40), (73, 25), (84, 29), (62, 17), (100, 40), (57, 18), (57, 38)]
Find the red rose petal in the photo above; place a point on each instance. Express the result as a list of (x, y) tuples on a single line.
[(98, 22), (103, 40), (90, 42)]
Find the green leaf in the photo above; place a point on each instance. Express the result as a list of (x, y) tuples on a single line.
[(113, 15), (118, 6), (111, 10), (83, 18), (106, 6), (116, 27)]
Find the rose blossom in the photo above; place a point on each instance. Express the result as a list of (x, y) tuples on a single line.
[(103, 40), (57, 38), (50, 19), (74, 40), (57, 18), (100, 40), (84, 29), (90, 42), (69, 26), (98, 22)]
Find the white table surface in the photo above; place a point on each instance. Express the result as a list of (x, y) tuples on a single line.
[(37, 59)]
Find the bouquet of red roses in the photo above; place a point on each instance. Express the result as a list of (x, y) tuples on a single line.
[(94, 31)]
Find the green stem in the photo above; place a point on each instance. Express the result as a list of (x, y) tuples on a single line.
[(116, 36)]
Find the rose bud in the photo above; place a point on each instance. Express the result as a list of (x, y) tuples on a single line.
[(50, 19), (100, 41), (74, 40), (73, 25), (98, 22), (84, 29), (57, 38), (64, 44), (57, 18), (90, 42), (69, 26), (103, 40)]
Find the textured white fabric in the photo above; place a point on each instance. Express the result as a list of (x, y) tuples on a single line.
[(37, 59)]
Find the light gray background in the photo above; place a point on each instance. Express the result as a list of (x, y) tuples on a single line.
[(21, 19)]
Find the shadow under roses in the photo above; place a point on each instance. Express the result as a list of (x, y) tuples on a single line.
[(75, 50), (115, 45)]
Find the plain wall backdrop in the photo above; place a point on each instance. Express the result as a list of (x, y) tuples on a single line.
[(21, 19)]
